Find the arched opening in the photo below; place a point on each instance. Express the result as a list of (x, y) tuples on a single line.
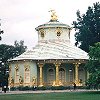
[(51, 76), (17, 76), (61, 75), (27, 75)]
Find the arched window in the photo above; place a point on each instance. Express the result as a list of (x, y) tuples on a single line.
[(71, 75), (27, 75), (59, 31), (51, 76), (16, 74), (81, 75), (62, 75)]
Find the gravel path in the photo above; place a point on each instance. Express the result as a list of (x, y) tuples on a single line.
[(45, 91)]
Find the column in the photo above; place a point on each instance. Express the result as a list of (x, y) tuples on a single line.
[(41, 74), (57, 74), (76, 73)]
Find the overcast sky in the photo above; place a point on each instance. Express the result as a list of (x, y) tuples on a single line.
[(19, 18)]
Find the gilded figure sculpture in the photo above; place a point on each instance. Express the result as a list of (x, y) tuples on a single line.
[(20, 80), (53, 15)]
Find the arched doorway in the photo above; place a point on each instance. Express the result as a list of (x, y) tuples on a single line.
[(61, 75), (51, 76)]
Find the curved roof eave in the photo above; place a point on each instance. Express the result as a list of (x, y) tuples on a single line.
[(53, 50)]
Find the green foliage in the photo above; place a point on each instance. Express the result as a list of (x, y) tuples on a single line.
[(87, 27), (41, 88), (13, 89), (52, 88), (8, 52), (59, 87), (19, 48), (95, 52), (93, 66), (23, 88), (53, 96)]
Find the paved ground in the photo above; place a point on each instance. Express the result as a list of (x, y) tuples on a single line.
[(44, 91)]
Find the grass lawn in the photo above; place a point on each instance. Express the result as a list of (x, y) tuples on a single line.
[(53, 96)]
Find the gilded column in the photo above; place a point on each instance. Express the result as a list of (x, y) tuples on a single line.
[(41, 74), (57, 74), (76, 73)]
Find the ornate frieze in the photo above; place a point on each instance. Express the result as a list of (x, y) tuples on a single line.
[(34, 80), (20, 80), (11, 81), (16, 67), (42, 32), (27, 67), (58, 31)]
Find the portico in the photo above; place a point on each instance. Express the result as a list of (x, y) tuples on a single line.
[(60, 72)]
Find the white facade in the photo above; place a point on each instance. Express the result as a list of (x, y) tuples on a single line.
[(50, 30)]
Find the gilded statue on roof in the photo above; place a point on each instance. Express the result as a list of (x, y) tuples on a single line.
[(53, 15)]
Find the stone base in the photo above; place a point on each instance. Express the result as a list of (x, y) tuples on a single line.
[(57, 83)]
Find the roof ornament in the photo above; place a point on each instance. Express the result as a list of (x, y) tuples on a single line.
[(53, 15)]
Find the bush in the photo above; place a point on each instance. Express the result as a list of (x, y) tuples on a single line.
[(25, 88), (41, 88), (21, 88), (13, 88), (60, 87), (53, 88), (81, 87)]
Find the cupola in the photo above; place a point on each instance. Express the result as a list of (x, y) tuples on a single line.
[(53, 30)]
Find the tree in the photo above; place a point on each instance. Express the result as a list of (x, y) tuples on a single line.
[(19, 48), (93, 66), (87, 27), (9, 52), (5, 54)]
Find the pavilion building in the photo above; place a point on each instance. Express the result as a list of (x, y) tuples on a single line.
[(54, 61)]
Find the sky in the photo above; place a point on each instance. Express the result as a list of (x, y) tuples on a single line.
[(19, 18)]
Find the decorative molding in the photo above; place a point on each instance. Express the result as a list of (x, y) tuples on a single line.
[(57, 64), (26, 74), (16, 73), (34, 80), (58, 31), (27, 67), (77, 63), (20, 80), (11, 81), (16, 67), (42, 32), (40, 64)]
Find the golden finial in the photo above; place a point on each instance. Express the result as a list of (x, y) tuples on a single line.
[(53, 15)]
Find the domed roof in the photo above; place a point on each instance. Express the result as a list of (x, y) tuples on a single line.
[(53, 23)]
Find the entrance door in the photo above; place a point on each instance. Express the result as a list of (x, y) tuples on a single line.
[(62, 75), (51, 76)]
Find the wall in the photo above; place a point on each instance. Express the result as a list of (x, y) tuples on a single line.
[(21, 67)]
